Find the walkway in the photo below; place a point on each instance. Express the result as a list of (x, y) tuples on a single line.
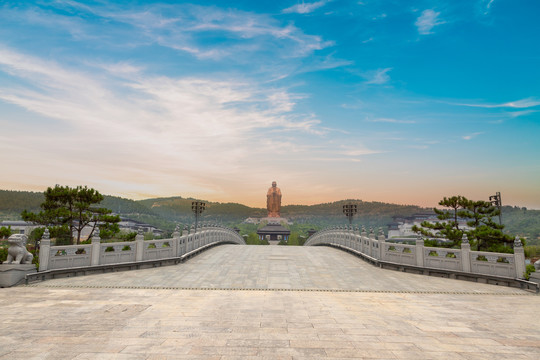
[(371, 314)]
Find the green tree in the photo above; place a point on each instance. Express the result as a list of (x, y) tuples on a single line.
[(481, 230), (448, 226), (66, 211), (5, 232), (252, 239), (486, 234)]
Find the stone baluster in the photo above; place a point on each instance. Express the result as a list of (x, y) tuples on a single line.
[(381, 239), (363, 237), (183, 240), (371, 242), (96, 247), (176, 240), (465, 254), (419, 251), (45, 251), (139, 245), (519, 258), (357, 239)]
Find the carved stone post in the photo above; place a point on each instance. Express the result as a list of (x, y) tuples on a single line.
[(465, 254), (381, 239), (139, 246), (363, 235), (176, 240), (371, 241), (96, 247), (183, 241), (419, 251), (45, 251), (357, 240), (519, 258)]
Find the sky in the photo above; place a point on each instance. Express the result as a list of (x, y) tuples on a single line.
[(395, 101)]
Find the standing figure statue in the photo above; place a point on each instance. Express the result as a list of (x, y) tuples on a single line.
[(273, 201)]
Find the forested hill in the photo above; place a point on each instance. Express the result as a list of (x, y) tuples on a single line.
[(164, 212), (12, 203)]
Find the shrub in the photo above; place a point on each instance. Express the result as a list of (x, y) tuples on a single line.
[(528, 270), (3, 254)]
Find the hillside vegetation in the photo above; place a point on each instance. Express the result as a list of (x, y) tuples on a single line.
[(166, 212)]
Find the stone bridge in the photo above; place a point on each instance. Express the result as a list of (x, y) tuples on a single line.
[(265, 302)]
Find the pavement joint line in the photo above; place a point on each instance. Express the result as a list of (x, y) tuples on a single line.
[(285, 290)]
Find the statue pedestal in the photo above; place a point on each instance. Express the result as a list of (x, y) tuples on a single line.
[(13, 274)]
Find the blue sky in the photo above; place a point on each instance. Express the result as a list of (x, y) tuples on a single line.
[(395, 101)]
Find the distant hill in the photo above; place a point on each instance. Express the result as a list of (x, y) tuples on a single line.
[(165, 212)]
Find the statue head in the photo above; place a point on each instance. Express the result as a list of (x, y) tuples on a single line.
[(274, 184)]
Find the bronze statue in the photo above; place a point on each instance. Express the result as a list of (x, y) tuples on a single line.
[(273, 201)]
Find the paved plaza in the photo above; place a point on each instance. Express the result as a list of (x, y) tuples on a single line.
[(267, 302)]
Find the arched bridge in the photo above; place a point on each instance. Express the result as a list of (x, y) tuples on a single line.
[(310, 267)]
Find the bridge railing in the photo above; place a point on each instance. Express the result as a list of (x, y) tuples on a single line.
[(377, 248), (98, 253)]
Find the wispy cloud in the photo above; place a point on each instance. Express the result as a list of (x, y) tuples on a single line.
[(184, 28), (162, 108), (377, 77), (392, 121), (305, 8), (427, 21), (518, 104), (471, 136), (487, 5), (190, 129)]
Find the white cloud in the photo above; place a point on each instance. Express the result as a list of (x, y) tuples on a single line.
[(427, 21), (305, 8), (518, 104), (156, 131), (392, 121), (488, 4), (378, 77), (471, 136), (181, 27)]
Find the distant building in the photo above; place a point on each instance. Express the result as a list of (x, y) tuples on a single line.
[(19, 226), (134, 225), (251, 220), (402, 225), (274, 232)]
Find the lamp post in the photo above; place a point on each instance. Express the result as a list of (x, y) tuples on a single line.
[(197, 207), (496, 201), (350, 210)]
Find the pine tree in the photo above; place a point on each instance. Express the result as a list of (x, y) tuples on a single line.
[(67, 211), (448, 226), (481, 230)]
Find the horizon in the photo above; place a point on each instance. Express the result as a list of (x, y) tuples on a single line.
[(264, 207), (400, 103)]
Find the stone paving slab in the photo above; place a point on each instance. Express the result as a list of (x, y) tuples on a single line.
[(102, 323), (424, 318)]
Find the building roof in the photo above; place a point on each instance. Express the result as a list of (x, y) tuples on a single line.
[(16, 223), (273, 229)]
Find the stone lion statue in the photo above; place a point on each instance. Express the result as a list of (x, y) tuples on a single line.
[(17, 253)]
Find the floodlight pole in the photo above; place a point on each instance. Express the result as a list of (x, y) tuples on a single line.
[(350, 210), (197, 207), (496, 201)]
